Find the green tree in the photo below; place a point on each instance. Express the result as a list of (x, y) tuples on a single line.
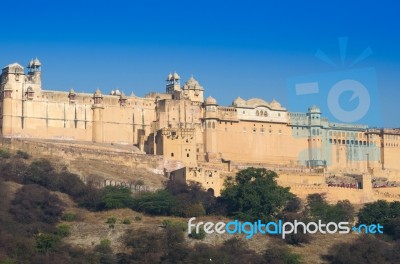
[(382, 212), (117, 197), (319, 209), (158, 203), (254, 194)]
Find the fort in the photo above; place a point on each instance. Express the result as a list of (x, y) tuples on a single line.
[(198, 139)]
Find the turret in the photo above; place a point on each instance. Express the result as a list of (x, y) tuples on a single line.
[(97, 107), (173, 83), (35, 71)]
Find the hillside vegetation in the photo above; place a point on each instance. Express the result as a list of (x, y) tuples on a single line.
[(48, 215)]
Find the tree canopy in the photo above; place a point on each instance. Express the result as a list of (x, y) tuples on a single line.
[(254, 194)]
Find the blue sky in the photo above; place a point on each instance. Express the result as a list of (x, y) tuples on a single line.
[(236, 48)]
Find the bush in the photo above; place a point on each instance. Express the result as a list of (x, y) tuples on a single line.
[(194, 210), (126, 221), (69, 217), (35, 204), (365, 249), (5, 154), (41, 172), (46, 242), (22, 155), (138, 218), (111, 221), (318, 208), (182, 226), (115, 197), (158, 203), (104, 246), (198, 236), (63, 230)]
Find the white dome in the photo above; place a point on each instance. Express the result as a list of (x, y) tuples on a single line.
[(176, 76), (169, 78)]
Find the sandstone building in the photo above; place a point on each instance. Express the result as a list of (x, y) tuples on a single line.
[(202, 136)]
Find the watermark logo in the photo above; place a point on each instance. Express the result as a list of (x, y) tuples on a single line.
[(347, 95), (280, 228)]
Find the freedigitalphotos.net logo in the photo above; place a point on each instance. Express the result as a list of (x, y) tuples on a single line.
[(347, 95), (280, 228)]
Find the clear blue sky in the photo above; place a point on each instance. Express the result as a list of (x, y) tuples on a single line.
[(234, 48)]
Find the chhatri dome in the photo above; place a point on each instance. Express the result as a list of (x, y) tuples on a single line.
[(211, 100), (169, 78), (275, 104), (238, 101), (176, 76), (314, 109)]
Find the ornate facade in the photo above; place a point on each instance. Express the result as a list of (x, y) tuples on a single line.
[(180, 125)]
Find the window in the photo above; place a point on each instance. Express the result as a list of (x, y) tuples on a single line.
[(187, 155), (257, 113), (172, 154)]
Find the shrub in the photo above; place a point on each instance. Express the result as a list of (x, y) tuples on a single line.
[(41, 172), (111, 221), (198, 236), (365, 249), (46, 242), (318, 208), (22, 154), (33, 203), (126, 221), (117, 197), (104, 246), (63, 230), (138, 218), (158, 203), (5, 154), (194, 210), (175, 224), (69, 217)]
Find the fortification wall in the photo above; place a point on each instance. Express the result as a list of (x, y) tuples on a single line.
[(72, 150), (334, 194)]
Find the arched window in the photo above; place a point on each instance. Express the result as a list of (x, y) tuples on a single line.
[(265, 113), (257, 113), (209, 125), (213, 125), (261, 113)]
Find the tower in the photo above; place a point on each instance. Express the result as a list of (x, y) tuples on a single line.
[(315, 138), (12, 81), (193, 91), (35, 71), (173, 83), (97, 107), (210, 127)]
